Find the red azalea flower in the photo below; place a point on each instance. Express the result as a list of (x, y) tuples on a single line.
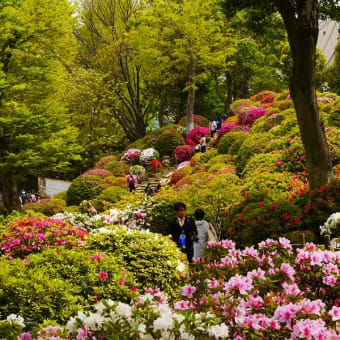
[(286, 216)]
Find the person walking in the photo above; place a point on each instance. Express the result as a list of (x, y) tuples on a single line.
[(202, 233), (203, 143), (218, 123), (212, 128), (131, 182), (149, 191), (182, 229)]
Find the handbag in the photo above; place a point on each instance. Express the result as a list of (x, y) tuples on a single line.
[(211, 234)]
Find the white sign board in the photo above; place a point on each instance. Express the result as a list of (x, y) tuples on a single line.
[(54, 186)]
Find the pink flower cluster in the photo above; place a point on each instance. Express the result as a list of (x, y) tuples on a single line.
[(248, 118), (97, 172), (273, 290), (131, 155), (31, 234), (183, 153), (196, 134)]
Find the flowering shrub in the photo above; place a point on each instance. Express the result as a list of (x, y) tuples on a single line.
[(80, 221), (152, 259), (102, 162), (137, 170), (46, 206), (228, 127), (284, 104), (272, 291), (264, 96), (147, 317), (196, 134), (183, 153), (97, 172), (331, 225), (268, 292), (198, 121), (29, 235), (239, 104), (177, 175), (56, 284), (84, 188), (113, 181), (131, 155), (117, 168), (148, 155), (231, 142), (167, 140), (156, 165), (248, 118)]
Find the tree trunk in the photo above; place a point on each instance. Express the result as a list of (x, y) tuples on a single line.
[(9, 193), (303, 33), (191, 94), (140, 126), (229, 95)]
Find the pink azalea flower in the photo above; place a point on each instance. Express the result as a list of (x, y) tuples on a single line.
[(103, 275), (329, 280), (188, 291), (25, 336), (335, 313)]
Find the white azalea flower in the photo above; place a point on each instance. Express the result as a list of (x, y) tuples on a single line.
[(163, 323), (124, 310), (219, 331), (17, 319)]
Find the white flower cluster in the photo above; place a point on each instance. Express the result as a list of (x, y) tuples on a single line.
[(331, 225), (80, 221), (16, 319), (148, 318), (148, 155)]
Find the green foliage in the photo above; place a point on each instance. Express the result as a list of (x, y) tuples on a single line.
[(237, 105), (231, 142), (251, 145), (47, 207), (334, 115), (84, 188), (152, 259), (117, 168), (263, 162), (167, 141), (113, 194), (53, 285), (36, 137)]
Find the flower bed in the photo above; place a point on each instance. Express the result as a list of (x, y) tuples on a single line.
[(29, 235), (131, 155), (183, 153)]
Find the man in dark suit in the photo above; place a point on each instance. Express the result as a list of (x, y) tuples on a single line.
[(183, 231)]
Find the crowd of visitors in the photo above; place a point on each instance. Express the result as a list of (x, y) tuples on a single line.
[(28, 197), (191, 235)]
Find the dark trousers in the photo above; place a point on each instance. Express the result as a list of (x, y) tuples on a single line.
[(203, 148), (189, 252)]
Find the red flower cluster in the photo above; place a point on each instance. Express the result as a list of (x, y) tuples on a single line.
[(156, 164), (31, 234), (183, 153), (196, 134)]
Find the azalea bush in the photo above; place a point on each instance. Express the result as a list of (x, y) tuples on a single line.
[(84, 188), (55, 284), (46, 206), (156, 165), (153, 260), (167, 139), (32, 234), (196, 134), (198, 121), (131, 155), (102, 162), (148, 155), (248, 118), (98, 172), (137, 170), (117, 168), (183, 153), (272, 291)]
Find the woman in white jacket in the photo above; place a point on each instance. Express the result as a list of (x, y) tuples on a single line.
[(202, 233)]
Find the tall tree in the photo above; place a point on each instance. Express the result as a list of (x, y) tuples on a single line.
[(110, 46), (35, 36), (301, 19), (192, 38)]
